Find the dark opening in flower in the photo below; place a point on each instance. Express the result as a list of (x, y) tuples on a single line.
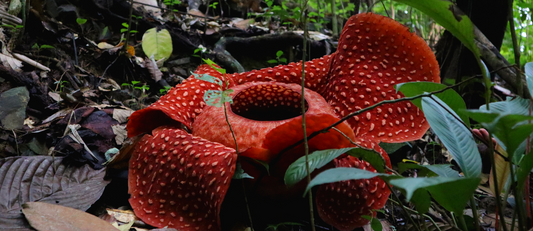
[(269, 102)]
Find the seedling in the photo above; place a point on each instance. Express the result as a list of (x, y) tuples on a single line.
[(278, 59)]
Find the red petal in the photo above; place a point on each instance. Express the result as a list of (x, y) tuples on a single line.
[(374, 54), (181, 104), (179, 180), (342, 204), (253, 134), (317, 70)]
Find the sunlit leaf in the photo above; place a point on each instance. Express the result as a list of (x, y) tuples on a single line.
[(157, 44)]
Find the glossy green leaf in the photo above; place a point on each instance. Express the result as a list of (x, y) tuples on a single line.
[(454, 135), (214, 66), (511, 130), (421, 200), (208, 78), (370, 156), (297, 170), (509, 106), (340, 174), (157, 44), (375, 224), (444, 170), (450, 96)]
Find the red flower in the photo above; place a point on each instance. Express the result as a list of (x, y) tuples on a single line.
[(179, 180)]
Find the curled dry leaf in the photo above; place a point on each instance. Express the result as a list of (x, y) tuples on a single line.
[(44, 179), (45, 216)]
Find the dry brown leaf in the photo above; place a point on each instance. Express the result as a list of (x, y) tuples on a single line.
[(44, 216), (122, 115), (120, 133)]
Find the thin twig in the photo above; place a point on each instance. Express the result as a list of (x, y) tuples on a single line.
[(306, 146)]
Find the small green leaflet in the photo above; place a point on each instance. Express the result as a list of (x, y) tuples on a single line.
[(217, 98), (214, 66), (208, 78)]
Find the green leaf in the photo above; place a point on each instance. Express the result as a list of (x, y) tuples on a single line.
[(279, 54), (439, 187), (157, 44), (213, 98), (282, 60), (442, 12), (45, 46), (522, 173), (509, 106), (511, 130), (341, 173), (81, 21), (318, 159), (375, 224), (393, 147), (370, 156), (272, 61), (124, 24), (444, 170), (450, 96), (214, 66), (421, 200), (529, 76), (454, 135), (208, 78)]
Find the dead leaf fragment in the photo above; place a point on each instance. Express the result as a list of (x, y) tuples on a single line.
[(44, 216), (122, 115), (120, 133)]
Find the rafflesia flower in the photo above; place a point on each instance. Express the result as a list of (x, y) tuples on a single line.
[(178, 179)]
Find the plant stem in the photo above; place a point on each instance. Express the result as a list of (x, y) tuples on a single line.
[(306, 146), (473, 206), (237, 151), (462, 221)]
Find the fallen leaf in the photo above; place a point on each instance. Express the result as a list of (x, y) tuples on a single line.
[(100, 123), (43, 178), (45, 216), (122, 115), (120, 133)]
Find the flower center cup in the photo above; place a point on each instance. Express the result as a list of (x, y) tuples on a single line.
[(268, 103)]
